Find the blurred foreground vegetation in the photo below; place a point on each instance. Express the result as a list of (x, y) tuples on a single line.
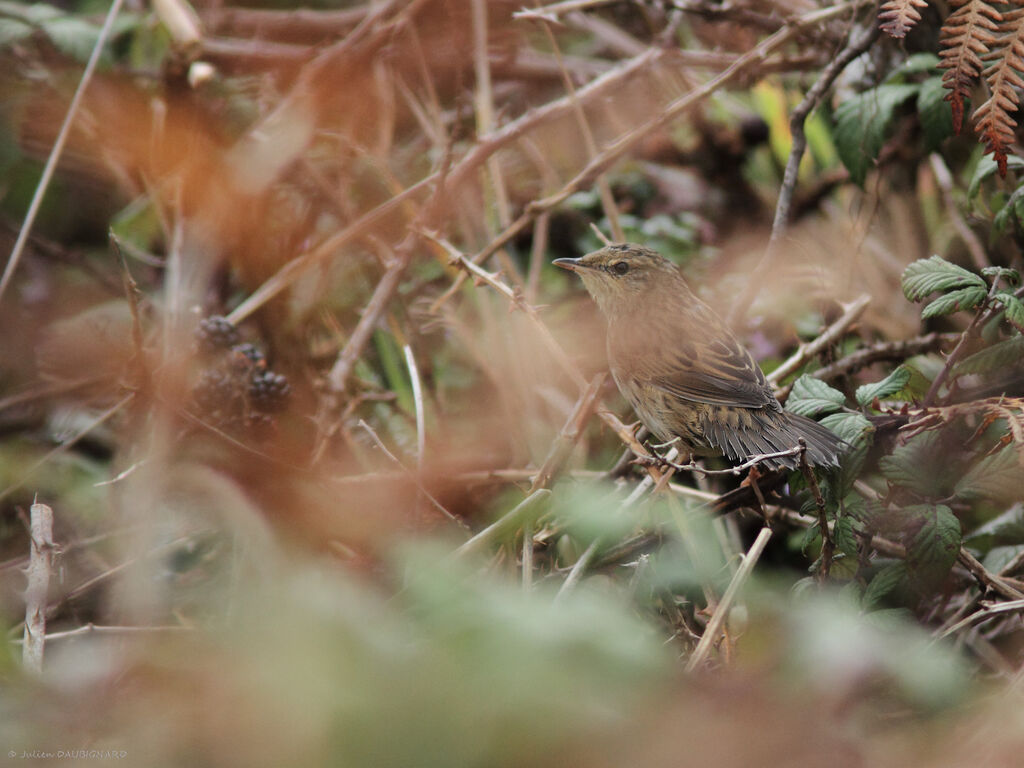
[(336, 473)]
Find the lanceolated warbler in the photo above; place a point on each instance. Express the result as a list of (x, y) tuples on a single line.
[(682, 369)]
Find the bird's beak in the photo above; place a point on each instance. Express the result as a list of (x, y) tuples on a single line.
[(573, 265)]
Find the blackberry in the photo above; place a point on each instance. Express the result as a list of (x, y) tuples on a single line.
[(247, 357), (268, 391), (214, 391), (216, 332)]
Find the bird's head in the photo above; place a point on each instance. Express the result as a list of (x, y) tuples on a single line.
[(623, 277)]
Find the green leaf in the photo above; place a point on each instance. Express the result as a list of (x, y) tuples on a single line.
[(987, 167), (1014, 310), (915, 64), (862, 123), (884, 582), (996, 477), (813, 397), (936, 116), (926, 276), (890, 385), (1011, 276), (954, 301), (921, 465), (842, 535), (854, 428), (932, 550), (997, 356)]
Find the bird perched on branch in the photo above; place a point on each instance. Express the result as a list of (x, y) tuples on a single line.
[(682, 369)]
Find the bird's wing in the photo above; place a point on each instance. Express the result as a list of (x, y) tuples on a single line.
[(720, 372)]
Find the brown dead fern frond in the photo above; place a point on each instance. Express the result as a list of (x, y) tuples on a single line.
[(993, 119), (968, 34), (897, 17)]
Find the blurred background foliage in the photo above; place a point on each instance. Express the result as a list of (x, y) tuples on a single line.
[(336, 474)]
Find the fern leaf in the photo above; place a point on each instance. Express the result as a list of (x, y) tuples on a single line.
[(966, 37), (992, 119), (897, 17)]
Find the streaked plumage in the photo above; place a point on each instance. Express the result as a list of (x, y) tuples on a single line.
[(683, 370)]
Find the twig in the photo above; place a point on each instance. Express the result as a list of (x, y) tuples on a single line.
[(984, 613), (39, 566), (569, 434), (878, 352), (851, 51), (577, 571), (413, 475), (851, 313), (94, 629), (945, 181), (528, 509), (353, 349), (527, 556), (827, 545), (959, 349), (751, 462), (987, 579), (714, 626), (58, 146), (551, 12)]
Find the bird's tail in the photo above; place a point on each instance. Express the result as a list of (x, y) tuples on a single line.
[(778, 431)]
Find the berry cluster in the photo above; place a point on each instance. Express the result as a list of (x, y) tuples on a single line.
[(236, 390)]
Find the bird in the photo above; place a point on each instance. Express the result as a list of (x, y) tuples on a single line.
[(689, 379)]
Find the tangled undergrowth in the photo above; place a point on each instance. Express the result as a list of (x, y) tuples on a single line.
[(335, 472)]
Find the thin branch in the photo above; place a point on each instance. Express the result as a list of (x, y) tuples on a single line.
[(413, 475), (960, 348), (945, 181), (987, 579), (577, 571), (828, 546), (851, 313), (714, 626), (851, 51), (878, 352), (353, 349), (528, 509), (58, 146), (569, 434), (39, 567)]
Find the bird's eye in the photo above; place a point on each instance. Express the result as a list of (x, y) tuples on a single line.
[(620, 267)]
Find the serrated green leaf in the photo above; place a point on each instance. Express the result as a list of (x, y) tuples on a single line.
[(862, 123), (842, 535), (998, 558), (854, 428), (884, 582), (932, 550), (926, 276), (954, 301), (890, 385), (813, 397), (1011, 276), (996, 477), (921, 465), (1013, 310), (1006, 528), (997, 356), (936, 116)]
